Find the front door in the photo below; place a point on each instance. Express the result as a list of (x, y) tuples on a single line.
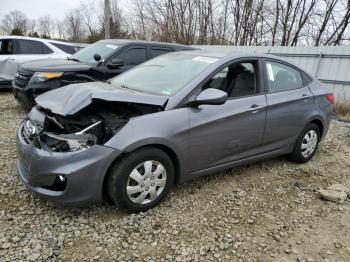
[(8, 60), (225, 133)]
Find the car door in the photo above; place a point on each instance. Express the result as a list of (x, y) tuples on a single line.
[(131, 57), (8, 59), (28, 50), (289, 101), (232, 131)]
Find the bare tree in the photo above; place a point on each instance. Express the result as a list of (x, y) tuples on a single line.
[(15, 21), (74, 25)]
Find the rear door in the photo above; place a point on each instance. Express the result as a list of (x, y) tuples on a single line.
[(289, 102), (8, 60), (28, 50), (225, 133)]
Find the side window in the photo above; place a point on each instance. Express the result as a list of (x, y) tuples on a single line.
[(281, 77), (237, 79), (156, 51), (6, 47), (29, 47), (133, 56), (65, 48)]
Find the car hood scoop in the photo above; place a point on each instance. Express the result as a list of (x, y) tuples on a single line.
[(70, 99)]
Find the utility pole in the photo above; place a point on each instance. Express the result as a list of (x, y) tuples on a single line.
[(107, 18)]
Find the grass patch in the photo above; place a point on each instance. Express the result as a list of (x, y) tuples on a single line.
[(342, 109)]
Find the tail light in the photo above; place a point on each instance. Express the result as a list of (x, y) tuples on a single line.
[(330, 98)]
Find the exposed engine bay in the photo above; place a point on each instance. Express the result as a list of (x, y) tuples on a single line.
[(95, 124)]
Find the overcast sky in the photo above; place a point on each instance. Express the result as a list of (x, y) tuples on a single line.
[(36, 8)]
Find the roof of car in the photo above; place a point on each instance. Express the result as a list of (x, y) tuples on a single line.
[(38, 39), (131, 41), (221, 55)]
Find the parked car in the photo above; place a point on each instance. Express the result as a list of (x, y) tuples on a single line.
[(98, 62), (168, 120), (15, 50)]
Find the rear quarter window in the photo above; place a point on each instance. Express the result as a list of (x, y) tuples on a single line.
[(65, 48), (156, 51)]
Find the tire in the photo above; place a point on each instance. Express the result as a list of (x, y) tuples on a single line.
[(302, 155), (123, 180)]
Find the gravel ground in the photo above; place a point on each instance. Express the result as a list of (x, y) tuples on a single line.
[(268, 211)]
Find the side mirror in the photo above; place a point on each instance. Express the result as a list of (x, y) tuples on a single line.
[(97, 57), (115, 63), (211, 96)]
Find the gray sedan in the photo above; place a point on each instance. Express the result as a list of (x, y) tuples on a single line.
[(170, 119)]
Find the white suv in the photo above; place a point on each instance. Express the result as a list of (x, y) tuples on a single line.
[(15, 50)]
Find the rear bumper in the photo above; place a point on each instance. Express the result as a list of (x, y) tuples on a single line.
[(84, 172)]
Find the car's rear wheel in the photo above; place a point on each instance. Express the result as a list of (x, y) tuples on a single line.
[(306, 144), (140, 180)]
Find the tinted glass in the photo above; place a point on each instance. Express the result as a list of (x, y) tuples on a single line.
[(281, 77), (133, 56), (237, 80), (27, 47), (6, 47), (86, 54), (160, 51), (65, 48), (163, 75)]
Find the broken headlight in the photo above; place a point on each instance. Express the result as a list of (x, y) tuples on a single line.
[(71, 142)]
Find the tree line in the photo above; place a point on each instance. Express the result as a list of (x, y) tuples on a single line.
[(229, 22)]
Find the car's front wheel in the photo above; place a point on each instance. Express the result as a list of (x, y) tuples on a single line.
[(306, 144), (140, 180)]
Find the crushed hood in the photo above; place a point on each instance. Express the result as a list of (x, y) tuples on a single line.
[(70, 99)]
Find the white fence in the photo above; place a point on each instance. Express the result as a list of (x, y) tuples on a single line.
[(330, 64)]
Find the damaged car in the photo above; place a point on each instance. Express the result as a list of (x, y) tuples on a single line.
[(168, 120), (97, 62)]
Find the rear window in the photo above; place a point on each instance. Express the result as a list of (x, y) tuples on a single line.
[(65, 48), (27, 47)]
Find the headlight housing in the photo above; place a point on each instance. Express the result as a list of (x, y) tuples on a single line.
[(40, 77)]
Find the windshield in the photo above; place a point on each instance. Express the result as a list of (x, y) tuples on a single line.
[(164, 75), (87, 54)]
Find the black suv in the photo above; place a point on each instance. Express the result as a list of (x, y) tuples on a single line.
[(98, 62)]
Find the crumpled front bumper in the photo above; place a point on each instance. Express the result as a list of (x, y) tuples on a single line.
[(84, 171)]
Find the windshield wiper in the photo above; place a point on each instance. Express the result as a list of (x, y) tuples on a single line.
[(73, 59), (126, 87)]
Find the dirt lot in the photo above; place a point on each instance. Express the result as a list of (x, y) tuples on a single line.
[(268, 211)]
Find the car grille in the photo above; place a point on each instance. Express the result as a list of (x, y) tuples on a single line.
[(22, 77)]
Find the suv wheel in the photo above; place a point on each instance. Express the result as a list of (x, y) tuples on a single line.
[(306, 144), (140, 180)]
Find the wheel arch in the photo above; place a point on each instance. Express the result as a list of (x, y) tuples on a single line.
[(165, 148)]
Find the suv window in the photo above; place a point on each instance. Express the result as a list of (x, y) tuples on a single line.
[(281, 77), (133, 55), (27, 47), (6, 47), (237, 79), (65, 48), (156, 51)]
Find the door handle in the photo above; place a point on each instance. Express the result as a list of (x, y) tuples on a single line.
[(305, 96), (10, 58), (255, 108)]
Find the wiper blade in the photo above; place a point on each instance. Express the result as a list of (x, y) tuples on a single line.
[(126, 87), (73, 59)]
